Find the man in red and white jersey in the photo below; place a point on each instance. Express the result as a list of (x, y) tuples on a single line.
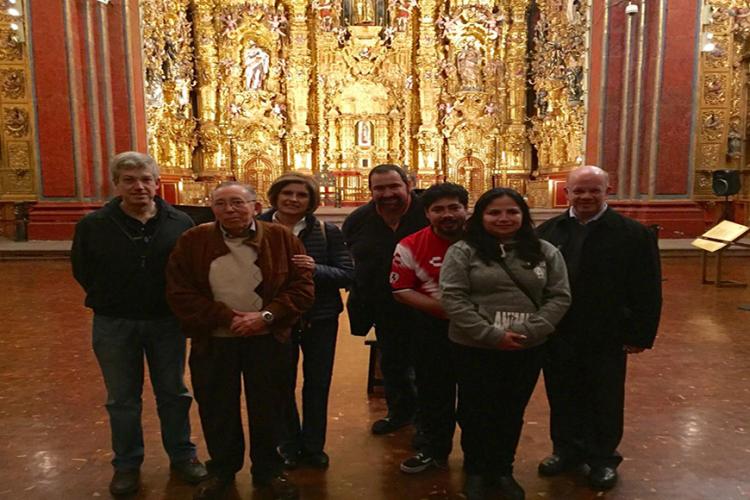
[(415, 274)]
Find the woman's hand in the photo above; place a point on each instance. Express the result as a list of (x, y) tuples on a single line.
[(511, 341), (303, 262)]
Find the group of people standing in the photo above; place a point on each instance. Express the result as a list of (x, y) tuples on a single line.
[(467, 311)]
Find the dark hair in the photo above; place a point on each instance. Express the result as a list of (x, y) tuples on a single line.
[(527, 243), (444, 190), (384, 168), (294, 177)]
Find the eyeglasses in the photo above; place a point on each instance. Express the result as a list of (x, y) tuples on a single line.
[(237, 204)]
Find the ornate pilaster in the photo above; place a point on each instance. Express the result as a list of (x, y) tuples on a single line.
[(298, 84), (207, 63), (516, 143), (428, 137), (17, 163)]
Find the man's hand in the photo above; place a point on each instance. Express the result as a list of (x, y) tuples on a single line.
[(632, 349), (511, 341), (303, 261), (247, 324)]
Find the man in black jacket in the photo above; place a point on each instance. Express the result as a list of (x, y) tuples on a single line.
[(119, 257), (614, 271), (371, 232)]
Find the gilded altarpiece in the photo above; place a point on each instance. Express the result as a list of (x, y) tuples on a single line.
[(249, 90), (724, 82), (17, 158)]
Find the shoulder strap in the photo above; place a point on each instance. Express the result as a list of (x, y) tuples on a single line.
[(518, 283), (323, 231)]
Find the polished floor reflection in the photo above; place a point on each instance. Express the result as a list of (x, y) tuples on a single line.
[(687, 430)]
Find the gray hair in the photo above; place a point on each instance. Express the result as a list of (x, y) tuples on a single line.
[(246, 187), (132, 160)]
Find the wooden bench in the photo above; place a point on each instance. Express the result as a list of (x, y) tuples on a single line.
[(374, 377)]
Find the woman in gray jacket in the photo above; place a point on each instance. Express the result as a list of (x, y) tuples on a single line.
[(504, 290)]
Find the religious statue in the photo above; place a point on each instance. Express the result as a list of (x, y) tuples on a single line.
[(541, 103), (363, 12), (574, 79), (256, 62), (734, 144), (469, 64), (364, 133)]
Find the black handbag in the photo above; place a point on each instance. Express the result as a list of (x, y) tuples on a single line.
[(360, 314)]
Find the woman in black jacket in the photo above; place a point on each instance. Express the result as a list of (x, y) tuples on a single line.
[(294, 198)]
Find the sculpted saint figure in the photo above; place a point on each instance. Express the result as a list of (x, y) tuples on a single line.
[(363, 12), (469, 62), (256, 67)]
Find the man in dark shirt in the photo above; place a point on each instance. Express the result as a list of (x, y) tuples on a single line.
[(372, 232), (119, 257), (615, 279)]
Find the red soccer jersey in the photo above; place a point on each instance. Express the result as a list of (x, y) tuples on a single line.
[(416, 262)]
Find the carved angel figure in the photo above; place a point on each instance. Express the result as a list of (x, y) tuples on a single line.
[(256, 67)]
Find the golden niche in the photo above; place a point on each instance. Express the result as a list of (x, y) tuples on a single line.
[(249, 90)]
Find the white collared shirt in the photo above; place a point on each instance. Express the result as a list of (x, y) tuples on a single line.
[(250, 229), (298, 227), (572, 213)]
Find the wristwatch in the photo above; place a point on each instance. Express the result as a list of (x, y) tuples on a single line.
[(267, 317)]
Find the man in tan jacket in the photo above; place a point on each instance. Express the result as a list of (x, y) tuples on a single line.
[(235, 289)]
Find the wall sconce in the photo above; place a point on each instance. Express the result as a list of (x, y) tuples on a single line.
[(631, 9)]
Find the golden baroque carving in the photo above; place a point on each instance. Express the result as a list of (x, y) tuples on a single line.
[(11, 49), (709, 156), (557, 75), (13, 83), (16, 121), (714, 89)]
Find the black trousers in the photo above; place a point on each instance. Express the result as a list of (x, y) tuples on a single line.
[(436, 385), (586, 393), (218, 371), (318, 346), (394, 324), (494, 388)]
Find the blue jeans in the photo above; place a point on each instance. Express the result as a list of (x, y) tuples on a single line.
[(119, 345)]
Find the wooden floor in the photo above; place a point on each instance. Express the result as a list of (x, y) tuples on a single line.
[(687, 430)]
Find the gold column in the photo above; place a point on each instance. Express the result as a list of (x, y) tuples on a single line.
[(429, 138), (298, 84), (215, 160), (516, 142)]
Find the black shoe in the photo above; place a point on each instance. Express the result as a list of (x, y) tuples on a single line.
[(282, 488), (421, 462), (318, 459), (510, 489), (474, 487), (290, 459), (191, 471), (389, 424), (213, 488), (556, 464), (125, 482), (603, 478)]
